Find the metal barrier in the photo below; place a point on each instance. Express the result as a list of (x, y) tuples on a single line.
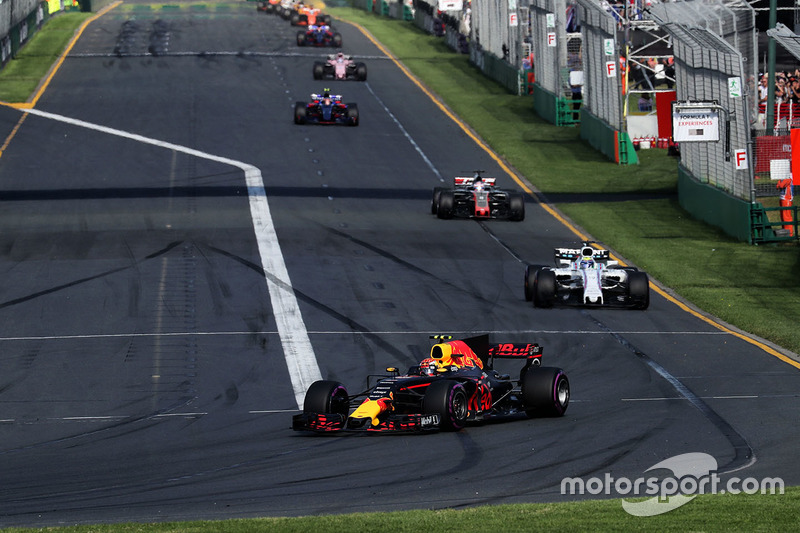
[(766, 231)]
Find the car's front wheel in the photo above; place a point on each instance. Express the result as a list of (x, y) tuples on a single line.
[(327, 397), (300, 113), (448, 399)]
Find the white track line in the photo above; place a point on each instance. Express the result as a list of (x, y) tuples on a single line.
[(299, 354)]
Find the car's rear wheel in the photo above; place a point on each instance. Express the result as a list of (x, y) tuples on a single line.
[(319, 70), (361, 72), (337, 40), (446, 202), (545, 391), (300, 113), (530, 280), (327, 397), (294, 19), (448, 399), (301, 38), (516, 207), (544, 288), (352, 114), (437, 192), (639, 289)]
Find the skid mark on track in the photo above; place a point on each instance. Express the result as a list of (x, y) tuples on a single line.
[(300, 358)]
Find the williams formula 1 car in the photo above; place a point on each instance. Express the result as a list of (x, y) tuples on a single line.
[(340, 67), (321, 35), (477, 197), (326, 108), (455, 386), (585, 276)]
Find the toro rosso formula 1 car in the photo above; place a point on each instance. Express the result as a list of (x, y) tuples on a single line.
[(340, 67), (321, 35), (477, 197), (585, 276), (326, 108), (455, 386)]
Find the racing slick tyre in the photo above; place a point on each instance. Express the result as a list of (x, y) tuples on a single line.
[(300, 113), (437, 192), (319, 70), (301, 38), (545, 392), (530, 280), (544, 288), (294, 20), (516, 207), (448, 399), (639, 289), (326, 20), (361, 72), (327, 397), (337, 40), (446, 202), (352, 114)]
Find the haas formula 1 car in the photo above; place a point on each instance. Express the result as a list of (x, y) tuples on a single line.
[(456, 385), (340, 67), (477, 197), (321, 35), (326, 108), (585, 276)]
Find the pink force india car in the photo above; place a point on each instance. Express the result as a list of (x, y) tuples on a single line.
[(340, 67), (477, 197), (586, 276), (455, 386)]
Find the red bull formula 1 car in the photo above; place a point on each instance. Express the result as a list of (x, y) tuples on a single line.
[(340, 67), (455, 386), (477, 197), (319, 35), (586, 276)]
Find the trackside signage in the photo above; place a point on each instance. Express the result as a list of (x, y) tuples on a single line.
[(692, 474), (688, 126)]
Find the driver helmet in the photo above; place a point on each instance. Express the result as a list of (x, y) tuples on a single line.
[(586, 262), (340, 55), (431, 366)]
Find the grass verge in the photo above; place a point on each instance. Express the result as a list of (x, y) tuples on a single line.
[(22, 75)]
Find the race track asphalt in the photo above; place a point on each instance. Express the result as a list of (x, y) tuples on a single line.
[(144, 375)]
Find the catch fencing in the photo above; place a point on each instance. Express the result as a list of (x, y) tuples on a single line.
[(557, 54), (602, 123)]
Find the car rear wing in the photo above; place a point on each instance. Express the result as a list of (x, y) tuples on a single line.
[(333, 57), (466, 181), (565, 256), (530, 351), (333, 97)]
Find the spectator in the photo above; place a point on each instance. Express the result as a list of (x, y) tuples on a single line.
[(763, 90), (644, 102)]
